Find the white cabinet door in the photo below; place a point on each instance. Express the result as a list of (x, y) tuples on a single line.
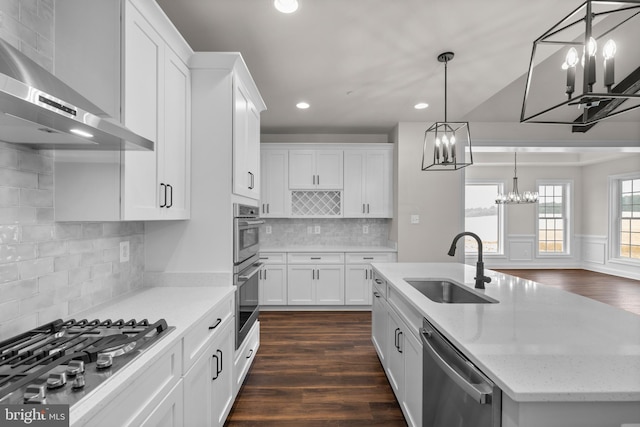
[(315, 169), (358, 284), (170, 412), (329, 166), (222, 374), (395, 359), (379, 326), (412, 402), (143, 78), (300, 285), (246, 143), (302, 169), (368, 183), (329, 285), (198, 392), (378, 179), (176, 156), (274, 181), (273, 285)]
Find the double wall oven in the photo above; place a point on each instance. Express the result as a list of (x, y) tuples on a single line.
[(246, 265)]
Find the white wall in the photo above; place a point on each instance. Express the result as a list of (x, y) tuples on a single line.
[(437, 196)]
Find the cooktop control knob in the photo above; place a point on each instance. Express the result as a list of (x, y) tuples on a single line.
[(75, 367), (35, 393), (56, 380), (78, 382), (104, 361)]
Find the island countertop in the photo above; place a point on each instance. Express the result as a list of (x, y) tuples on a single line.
[(539, 343)]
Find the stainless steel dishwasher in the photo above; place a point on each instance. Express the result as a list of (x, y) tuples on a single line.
[(455, 392)]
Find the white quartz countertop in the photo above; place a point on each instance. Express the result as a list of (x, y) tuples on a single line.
[(323, 248), (538, 343), (181, 307)]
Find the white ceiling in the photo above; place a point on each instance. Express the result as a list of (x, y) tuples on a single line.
[(363, 64)]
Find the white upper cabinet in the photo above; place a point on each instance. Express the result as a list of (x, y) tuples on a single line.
[(368, 183), (274, 170), (139, 59), (315, 169), (246, 143)]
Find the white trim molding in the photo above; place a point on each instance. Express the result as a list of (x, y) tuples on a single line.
[(595, 258)]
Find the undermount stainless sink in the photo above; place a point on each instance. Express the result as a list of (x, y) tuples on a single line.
[(446, 292)]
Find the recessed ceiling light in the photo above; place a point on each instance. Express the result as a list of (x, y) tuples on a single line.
[(421, 106), (81, 133), (286, 6), (302, 105)]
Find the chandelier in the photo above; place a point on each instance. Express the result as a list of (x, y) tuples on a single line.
[(585, 68), (446, 143), (514, 196)]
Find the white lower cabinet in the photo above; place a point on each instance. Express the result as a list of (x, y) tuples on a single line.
[(273, 279), (316, 284), (244, 357), (209, 383), (400, 352), (358, 284), (170, 412)]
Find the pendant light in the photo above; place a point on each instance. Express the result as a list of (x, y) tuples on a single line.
[(446, 143), (514, 196)]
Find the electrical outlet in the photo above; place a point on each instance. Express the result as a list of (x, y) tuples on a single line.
[(309, 230), (124, 251), (365, 229), (268, 229), (415, 219), (317, 229)]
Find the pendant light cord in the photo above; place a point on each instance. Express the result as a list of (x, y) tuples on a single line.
[(445, 89)]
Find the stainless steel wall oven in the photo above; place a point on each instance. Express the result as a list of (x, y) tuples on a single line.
[(246, 245)]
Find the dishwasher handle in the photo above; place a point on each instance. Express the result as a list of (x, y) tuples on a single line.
[(481, 393)]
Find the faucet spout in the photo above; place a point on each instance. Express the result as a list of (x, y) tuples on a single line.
[(481, 279)]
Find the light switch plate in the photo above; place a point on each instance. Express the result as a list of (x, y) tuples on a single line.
[(415, 219), (268, 229), (317, 229), (365, 229)]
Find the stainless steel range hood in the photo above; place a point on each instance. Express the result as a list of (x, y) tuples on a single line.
[(39, 110)]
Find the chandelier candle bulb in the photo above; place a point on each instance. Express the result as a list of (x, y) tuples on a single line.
[(609, 52), (590, 62), (570, 63)]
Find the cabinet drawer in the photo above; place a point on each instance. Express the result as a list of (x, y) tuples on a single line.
[(198, 338), (316, 258), (244, 356), (360, 258), (379, 285), (273, 257)]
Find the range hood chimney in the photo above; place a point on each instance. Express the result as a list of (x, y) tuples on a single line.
[(39, 110)]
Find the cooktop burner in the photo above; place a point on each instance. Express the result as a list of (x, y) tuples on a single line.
[(63, 361)]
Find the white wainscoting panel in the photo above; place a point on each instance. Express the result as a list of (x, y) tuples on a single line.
[(521, 248), (594, 249)]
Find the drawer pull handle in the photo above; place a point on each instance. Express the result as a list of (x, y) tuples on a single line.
[(216, 325), (316, 257), (378, 281), (376, 294), (250, 353), (368, 257)]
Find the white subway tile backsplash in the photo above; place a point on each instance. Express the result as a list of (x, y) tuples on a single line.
[(101, 270), (36, 198), (9, 272), (17, 290), (9, 234), (8, 158), (37, 233), (18, 324), (9, 310), (35, 161), (9, 197), (18, 178), (53, 282), (68, 231), (91, 230), (67, 262), (18, 252), (35, 268), (45, 215), (18, 215), (79, 275)]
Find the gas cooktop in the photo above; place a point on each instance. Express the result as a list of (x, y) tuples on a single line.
[(63, 361)]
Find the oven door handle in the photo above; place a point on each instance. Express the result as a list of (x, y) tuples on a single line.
[(481, 393), (248, 222), (245, 277)]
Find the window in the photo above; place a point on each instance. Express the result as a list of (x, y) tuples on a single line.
[(553, 223), (483, 217), (629, 219)]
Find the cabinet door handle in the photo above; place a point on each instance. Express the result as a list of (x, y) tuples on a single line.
[(318, 275), (314, 179), (216, 324), (252, 183), (263, 210), (215, 357), (268, 205), (170, 195), (313, 274), (318, 179), (368, 208), (363, 208), (395, 339), (265, 274), (399, 344), (164, 202), (366, 274), (220, 370), (250, 353)]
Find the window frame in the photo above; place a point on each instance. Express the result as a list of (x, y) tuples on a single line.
[(502, 218), (567, 203), (615, 210)]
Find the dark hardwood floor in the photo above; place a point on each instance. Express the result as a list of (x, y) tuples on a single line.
[(320, 368), (316, 369), (616, 291)]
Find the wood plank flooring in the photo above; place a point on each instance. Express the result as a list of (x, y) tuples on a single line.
[(316, 369), (616, 291), (320, 368)]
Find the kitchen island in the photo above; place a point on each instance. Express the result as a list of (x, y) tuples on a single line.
[(560, 359)]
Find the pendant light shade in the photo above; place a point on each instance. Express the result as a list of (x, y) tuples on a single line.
[(447, 145), (586, 67)]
